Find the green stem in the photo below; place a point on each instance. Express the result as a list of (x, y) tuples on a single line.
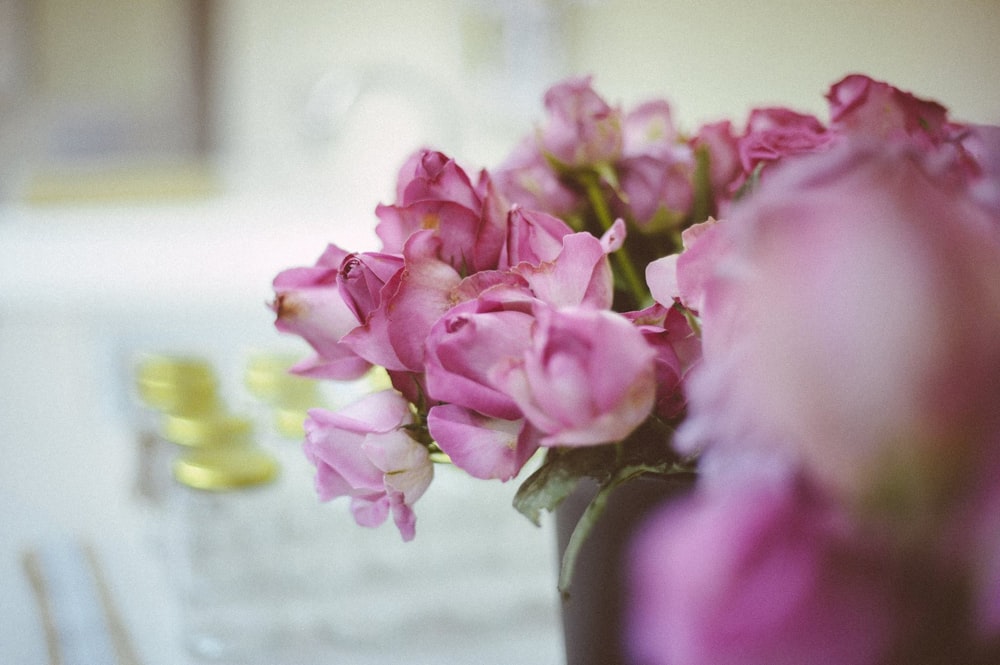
[(626, 269), (589, 518)]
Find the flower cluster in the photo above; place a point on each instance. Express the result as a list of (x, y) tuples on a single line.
[(805, 312), (505, 327)]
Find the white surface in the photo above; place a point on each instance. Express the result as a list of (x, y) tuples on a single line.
[(81, 291)]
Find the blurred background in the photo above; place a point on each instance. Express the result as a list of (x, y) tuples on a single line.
[(161, 160)]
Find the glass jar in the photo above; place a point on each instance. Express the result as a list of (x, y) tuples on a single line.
[(223, 551), (166, 386)]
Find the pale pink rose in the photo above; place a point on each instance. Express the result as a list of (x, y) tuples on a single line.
[(309, 304), (588, 377), (659, 189), (364, 452), (482, 446), (581, 128), (762, 573), (532, 237), (648, 130), (526, 178), (393, 334), (682, 277), (719, 140), (852, 324), (580, 274), (466, 345)]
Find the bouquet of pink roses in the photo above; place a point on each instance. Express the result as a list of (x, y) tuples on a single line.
[(826, 356)]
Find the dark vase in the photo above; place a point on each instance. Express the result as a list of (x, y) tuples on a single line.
[(593, 610)]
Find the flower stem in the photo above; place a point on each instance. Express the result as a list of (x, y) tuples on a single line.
[(635, 286)]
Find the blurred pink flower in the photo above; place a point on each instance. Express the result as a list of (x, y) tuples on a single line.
[(719, 140), (759, 573), (527, 178), (363, 452), (581, 128), (852, 322), (863, 107)]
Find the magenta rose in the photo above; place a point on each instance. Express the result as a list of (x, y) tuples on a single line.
[(364, 452), (588, 377)]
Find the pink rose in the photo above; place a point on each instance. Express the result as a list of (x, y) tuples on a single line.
[(526, 178), (656, 172), (659, 190), (364, 452), (435, 193), (466, 345), (863, 107), (580, 274), (648, 131), (415, 297), (482, 446), (761, 574), (851, 323), (308, 303), (582, 129), (775, 133), (724, 167), (532, 237), (677, 348), (588, 377), (362, 280)]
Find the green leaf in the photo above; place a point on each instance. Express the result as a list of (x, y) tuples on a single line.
[(595, 509), (559, 475)]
